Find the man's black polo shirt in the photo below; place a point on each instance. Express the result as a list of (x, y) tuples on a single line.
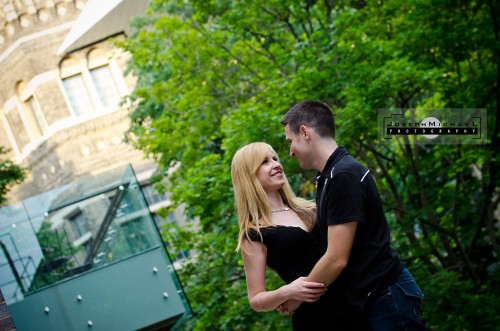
[(346, 192)]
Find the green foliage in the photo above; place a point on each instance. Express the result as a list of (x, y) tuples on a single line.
[(10, 174), (462, 306), (215, 75)]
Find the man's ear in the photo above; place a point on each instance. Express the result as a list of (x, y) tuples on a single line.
[(305, 132)]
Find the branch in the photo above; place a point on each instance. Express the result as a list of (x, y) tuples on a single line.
[(493, 165), (490, 225), (222, 46), (328, 7), (398, 208), (432, 221), (290, 27), (386, 174), (269, 55)]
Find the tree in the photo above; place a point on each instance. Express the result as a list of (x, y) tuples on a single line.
[(215, 75), (10, 174)]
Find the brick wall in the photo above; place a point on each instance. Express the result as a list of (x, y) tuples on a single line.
[(6, 322)]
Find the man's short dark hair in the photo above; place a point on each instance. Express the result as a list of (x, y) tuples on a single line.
[(315, 114)]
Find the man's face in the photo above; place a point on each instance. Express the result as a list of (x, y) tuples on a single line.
[(298, 147)]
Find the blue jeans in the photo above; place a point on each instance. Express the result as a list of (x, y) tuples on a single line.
[(397, 308)]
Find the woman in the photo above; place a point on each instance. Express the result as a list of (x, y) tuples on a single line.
[(275, 229)]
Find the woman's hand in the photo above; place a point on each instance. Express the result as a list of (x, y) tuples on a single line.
[(304, 291), (288, 307)]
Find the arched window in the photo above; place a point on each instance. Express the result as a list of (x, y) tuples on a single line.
[(74, 85), (17, 123), (38, 118), (6, 139), (102, 78), (91, 84), (34, 113)]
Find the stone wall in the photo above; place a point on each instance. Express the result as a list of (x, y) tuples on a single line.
[(61, 144)]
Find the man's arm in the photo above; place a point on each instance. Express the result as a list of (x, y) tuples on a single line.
[(336, 257), (331, 264)]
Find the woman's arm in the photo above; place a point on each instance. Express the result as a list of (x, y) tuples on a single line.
[(254, 258)]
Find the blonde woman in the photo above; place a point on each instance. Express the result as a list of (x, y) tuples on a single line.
[(276, 229)]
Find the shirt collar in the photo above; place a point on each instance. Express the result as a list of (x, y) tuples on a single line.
[(332, 161)]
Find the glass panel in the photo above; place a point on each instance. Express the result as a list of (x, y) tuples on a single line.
[(73, 229), (20, 252), (105, 86), (78, 95)]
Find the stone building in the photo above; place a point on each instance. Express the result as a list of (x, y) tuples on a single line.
[(63, 116), (62, 83)]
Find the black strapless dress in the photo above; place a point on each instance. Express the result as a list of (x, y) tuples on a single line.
[(292, 252)]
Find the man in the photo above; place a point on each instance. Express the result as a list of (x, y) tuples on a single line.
[(370, 287)]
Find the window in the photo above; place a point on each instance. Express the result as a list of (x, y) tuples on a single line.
[(78, 223), (18, 129), (183, 254), (152, 196), (160, 221), (79, 230), (90, 83), (25, 122), (78, 95), (37, 114), (105, 86), (5, 141)]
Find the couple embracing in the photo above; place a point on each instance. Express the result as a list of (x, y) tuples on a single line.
[(334, 255)]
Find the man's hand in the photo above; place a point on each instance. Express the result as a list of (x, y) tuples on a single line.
[(298, 291), (302, 290)]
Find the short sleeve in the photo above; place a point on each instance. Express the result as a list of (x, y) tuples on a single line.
[(253, 235), (345, 199)]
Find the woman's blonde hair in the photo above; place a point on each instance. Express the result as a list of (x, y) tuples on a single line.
[(251, 199)]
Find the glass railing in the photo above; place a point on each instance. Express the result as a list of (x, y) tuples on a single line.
[(72, 230)]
